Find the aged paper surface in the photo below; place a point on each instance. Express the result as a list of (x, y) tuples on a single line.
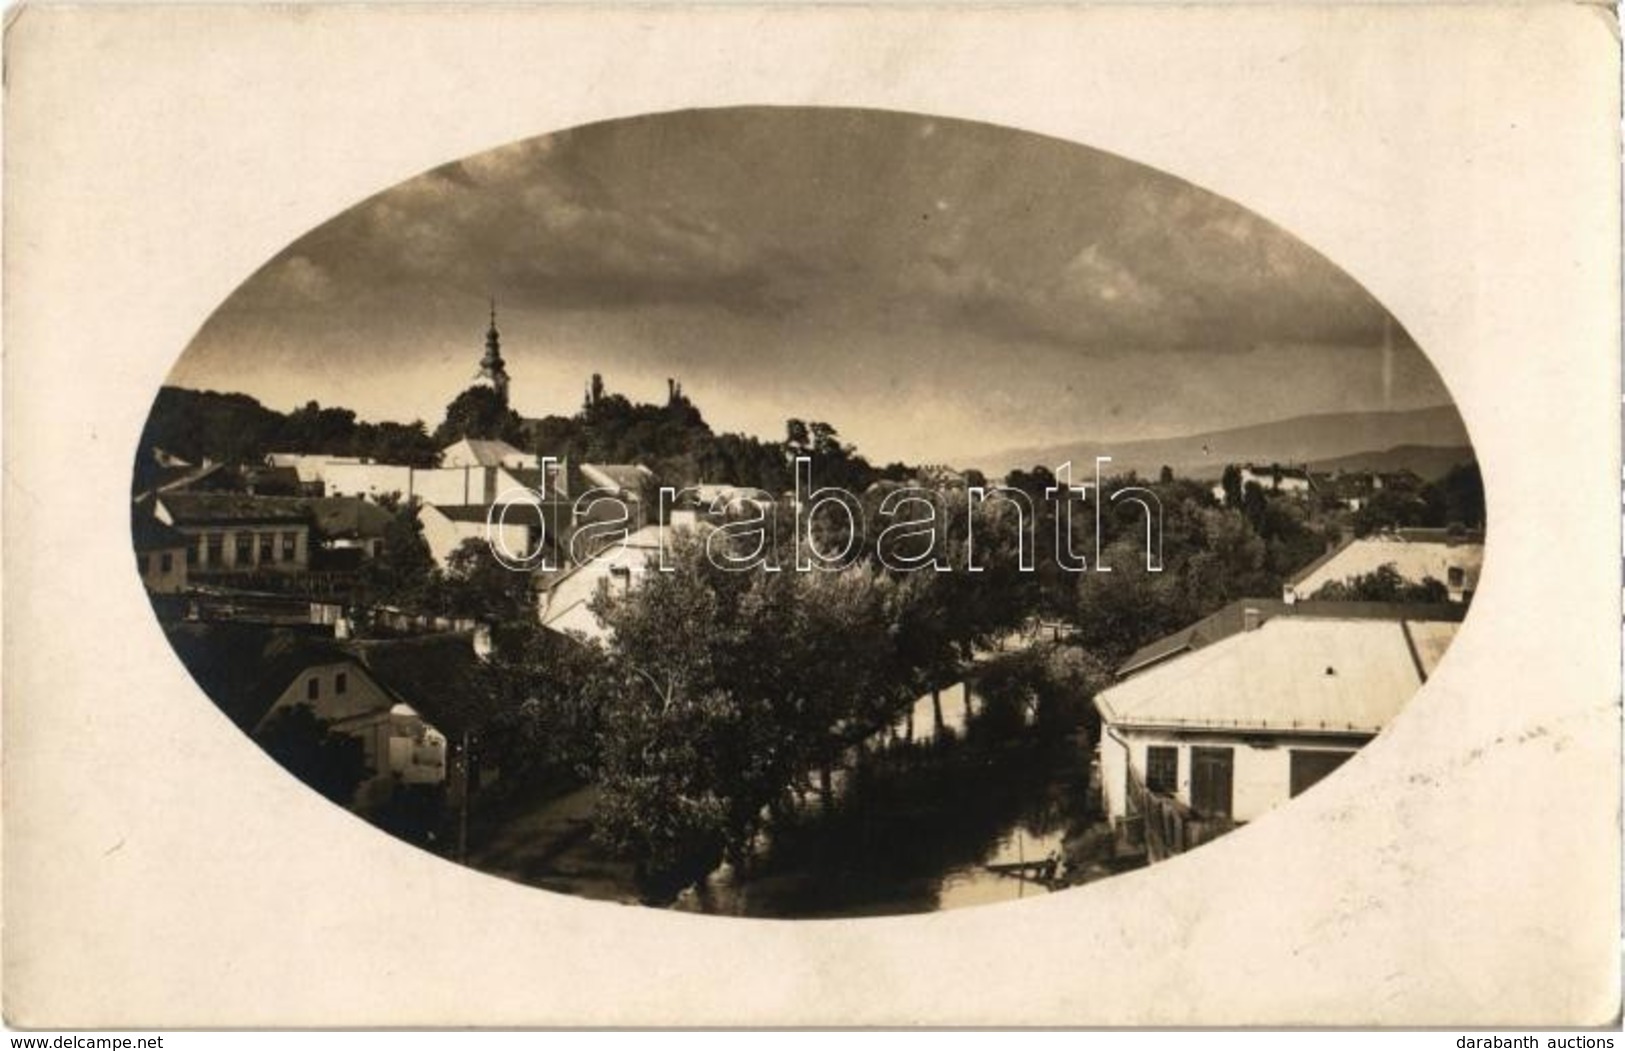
[(1460, 162)]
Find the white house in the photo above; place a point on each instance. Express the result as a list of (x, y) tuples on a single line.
[(1271, 478), (239, 534), (1416, 554), (161, 553), (483, 452), (397, 744), (1224, 732), (617, 569), (631, 483)]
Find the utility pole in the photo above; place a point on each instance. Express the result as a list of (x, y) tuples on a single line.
[(462, 810)]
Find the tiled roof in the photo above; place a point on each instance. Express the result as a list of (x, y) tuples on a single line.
[(438, 675), (349, 516), (628, 476), (206, 508), (243, 668), (152, 535)]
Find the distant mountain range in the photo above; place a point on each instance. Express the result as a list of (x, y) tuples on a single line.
[(1427, 441)]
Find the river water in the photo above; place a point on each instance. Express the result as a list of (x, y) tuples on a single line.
[(916, 824)]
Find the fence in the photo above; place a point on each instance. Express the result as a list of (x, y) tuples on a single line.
[(1166, 825)]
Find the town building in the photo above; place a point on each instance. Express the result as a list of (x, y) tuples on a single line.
[(518, 530), (486, 452), (1454, 559), (238, 534), (631, 483), (410, 703), (563, 603), (348, 531), (1218, 724), (160, 553)]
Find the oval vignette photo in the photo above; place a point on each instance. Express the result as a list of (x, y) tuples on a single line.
[(805, 513)]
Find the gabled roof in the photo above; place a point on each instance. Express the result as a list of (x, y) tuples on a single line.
[(1306, 675), (487, 452), (628, 476), (1232, 619), (535, 479), (520, 512), (1414, 559), (223, 508), (570, 593), (244, 668), (150, 534), (349, 516), (1330, 553), (439, 676)]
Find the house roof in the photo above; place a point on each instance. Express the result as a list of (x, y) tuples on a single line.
[(534, 478), (1309, 675), (210, 508), (628, 476), (487, 452), (244, 668), (1415, 560), (439, 676), (519, 512), (1437, 535), (349, 516), (1232, 619), (1264, 470), (152, 535), (570, 593)]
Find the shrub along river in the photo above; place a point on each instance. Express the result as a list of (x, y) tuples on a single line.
[(994, 804)]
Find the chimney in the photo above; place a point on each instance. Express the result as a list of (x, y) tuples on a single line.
[(1250, 619)]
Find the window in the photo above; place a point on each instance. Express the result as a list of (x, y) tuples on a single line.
[(245, 549), (192, 551), (313, 689), (1162, 769), (341, 682), (166, 562), (1458, 576), (267, 547), (146, 564), (1310, 766), (1213, 776), (290, 546), (216, 554)]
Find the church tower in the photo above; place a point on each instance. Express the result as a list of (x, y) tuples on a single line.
[(493, 371)]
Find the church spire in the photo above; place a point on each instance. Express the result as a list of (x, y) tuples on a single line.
[(493, 369)]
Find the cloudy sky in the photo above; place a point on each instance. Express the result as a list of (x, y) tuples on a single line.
[(935, 289)]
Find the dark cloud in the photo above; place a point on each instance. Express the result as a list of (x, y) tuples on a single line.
[(749, 240)]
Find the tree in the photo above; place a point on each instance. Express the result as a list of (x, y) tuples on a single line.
[(404, 570), (331, 762), (475, 584), (1462, 488), (1383, 584), (1230, 482), (479, 412), (729, 689)]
